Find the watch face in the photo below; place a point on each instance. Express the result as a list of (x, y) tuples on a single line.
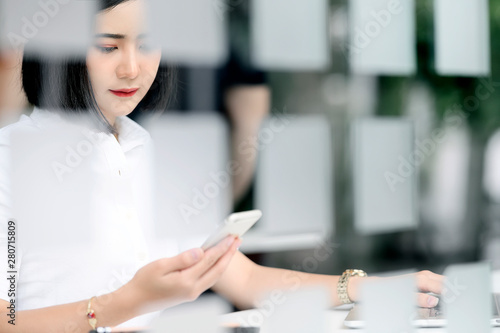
[(358, 272)]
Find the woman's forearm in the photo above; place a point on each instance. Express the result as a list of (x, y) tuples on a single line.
[(245, 283), (271, 279), (110, 310)]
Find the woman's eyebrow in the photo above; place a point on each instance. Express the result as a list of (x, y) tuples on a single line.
[(113, 36), (107, 35), (118, 36)]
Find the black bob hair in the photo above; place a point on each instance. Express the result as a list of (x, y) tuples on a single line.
[(64, 86)]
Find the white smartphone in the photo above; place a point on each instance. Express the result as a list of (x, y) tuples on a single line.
[(235, 224)]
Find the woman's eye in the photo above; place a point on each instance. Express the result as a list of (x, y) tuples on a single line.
[(145, 47), (106, 49)]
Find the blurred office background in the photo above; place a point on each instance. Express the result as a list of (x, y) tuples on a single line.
[(382, 146)]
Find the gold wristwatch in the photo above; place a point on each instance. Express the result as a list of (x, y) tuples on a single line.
[(343, 283)]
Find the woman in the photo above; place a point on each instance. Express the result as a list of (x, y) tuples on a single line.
[(120, 75)]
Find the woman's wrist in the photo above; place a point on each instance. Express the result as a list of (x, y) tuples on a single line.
[(116, 307)]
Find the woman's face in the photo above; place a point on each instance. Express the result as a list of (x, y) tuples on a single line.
[(120, 65)]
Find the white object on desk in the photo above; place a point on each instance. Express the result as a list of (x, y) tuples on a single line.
[(335, 321), (495, 281), (302, 311), (467, 298), (296, 312), (201, 315), (377, 297)]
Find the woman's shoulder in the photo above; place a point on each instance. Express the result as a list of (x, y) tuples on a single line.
[(25, 123), (38, 120)]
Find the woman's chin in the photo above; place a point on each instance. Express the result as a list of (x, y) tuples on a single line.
[(119, 110)]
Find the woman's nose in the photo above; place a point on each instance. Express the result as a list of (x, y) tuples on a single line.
[(128, 68)]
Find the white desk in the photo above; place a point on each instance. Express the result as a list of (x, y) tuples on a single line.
[(335, 319)]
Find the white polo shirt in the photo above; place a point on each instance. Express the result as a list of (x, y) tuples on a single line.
[(120, 215)]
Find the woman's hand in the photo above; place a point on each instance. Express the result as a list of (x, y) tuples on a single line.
[(426, 282), (171, 281)]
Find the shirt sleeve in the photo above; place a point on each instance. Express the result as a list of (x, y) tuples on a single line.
[(237, 72)]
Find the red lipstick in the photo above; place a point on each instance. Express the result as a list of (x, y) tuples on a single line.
[(124, 92)]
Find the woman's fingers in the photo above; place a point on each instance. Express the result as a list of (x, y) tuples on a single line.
[(182, 261), (430, 282), (427, 301), (210, 257), (213, 274), (182, 278)]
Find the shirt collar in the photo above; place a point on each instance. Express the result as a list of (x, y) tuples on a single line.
[(130, 134)]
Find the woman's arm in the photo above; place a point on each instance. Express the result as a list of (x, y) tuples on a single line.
[(244, 283), (247, 107), (111, 310), (160, 284)]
